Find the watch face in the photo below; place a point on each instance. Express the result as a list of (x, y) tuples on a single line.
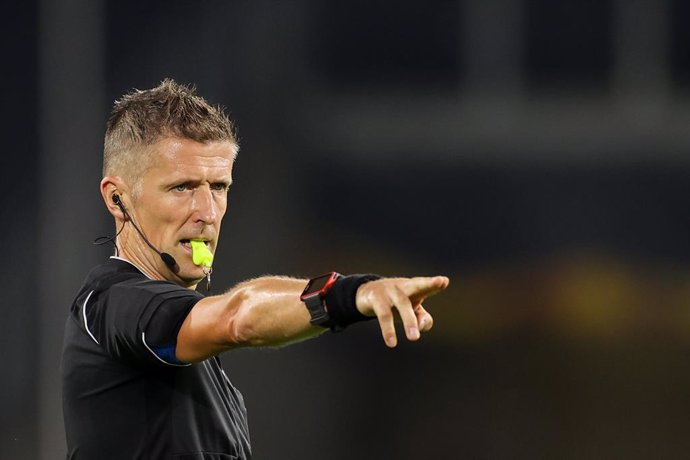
[(318, 284)]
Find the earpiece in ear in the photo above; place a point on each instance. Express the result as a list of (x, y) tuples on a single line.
[(167, 258), (118, 202)]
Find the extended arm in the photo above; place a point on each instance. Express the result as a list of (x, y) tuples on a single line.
[(268, 312)]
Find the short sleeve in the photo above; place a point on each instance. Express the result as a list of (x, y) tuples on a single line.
[(138, 320)]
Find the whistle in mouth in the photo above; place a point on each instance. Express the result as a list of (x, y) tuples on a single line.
[(200, 254)]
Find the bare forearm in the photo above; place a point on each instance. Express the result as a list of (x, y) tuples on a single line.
[(261, 312), (269, 312)]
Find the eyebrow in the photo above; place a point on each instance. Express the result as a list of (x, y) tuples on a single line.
[(182, 180)]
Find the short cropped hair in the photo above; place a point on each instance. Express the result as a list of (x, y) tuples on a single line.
[(143, 117)]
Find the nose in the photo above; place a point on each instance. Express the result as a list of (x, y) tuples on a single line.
[(205, 208)]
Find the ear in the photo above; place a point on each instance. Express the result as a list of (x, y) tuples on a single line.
[(110, 186)]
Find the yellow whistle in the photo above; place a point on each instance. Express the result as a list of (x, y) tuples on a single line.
[(200, 254)]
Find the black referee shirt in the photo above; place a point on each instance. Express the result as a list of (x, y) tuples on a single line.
[(125, 395)]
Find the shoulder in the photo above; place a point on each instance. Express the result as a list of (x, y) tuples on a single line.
[(121, 276), (117, 283)]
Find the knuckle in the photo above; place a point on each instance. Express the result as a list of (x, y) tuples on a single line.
[(427, 322), (385, 316), (398, 293), (400, 298)]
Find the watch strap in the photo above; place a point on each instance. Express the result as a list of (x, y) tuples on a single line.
[(317, 311)]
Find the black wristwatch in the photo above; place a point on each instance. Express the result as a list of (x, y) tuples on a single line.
[(313, 296)]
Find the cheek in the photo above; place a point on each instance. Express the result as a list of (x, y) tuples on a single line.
[(222, 206), (171, 216), (170, 213)]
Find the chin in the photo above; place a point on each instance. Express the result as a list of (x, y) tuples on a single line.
[(191, 276)]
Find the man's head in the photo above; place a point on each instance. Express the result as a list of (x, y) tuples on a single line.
[(141, 118), (168, 157)]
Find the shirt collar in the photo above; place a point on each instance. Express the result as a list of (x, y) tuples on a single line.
[(132, 264)]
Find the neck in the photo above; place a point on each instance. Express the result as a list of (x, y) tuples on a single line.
[(132, 247), (142, 257)]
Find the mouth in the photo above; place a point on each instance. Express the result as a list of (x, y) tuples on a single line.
[(186, 243)]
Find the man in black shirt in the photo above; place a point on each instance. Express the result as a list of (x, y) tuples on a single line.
[(141, 373)]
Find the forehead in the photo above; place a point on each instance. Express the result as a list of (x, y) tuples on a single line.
[(177, 156)]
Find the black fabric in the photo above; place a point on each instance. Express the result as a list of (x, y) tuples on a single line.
[(341, 300), (121, 307), (123, 401)]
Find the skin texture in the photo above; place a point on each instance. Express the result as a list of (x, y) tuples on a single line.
[(183, 196)]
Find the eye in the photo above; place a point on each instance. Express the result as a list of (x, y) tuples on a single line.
[(181, 187), (219, 186)]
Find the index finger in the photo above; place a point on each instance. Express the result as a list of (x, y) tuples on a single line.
[(424, 286)]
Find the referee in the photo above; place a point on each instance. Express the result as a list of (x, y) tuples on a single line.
[(141, 374)]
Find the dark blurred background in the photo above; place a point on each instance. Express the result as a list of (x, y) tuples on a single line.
[(535, 151)]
